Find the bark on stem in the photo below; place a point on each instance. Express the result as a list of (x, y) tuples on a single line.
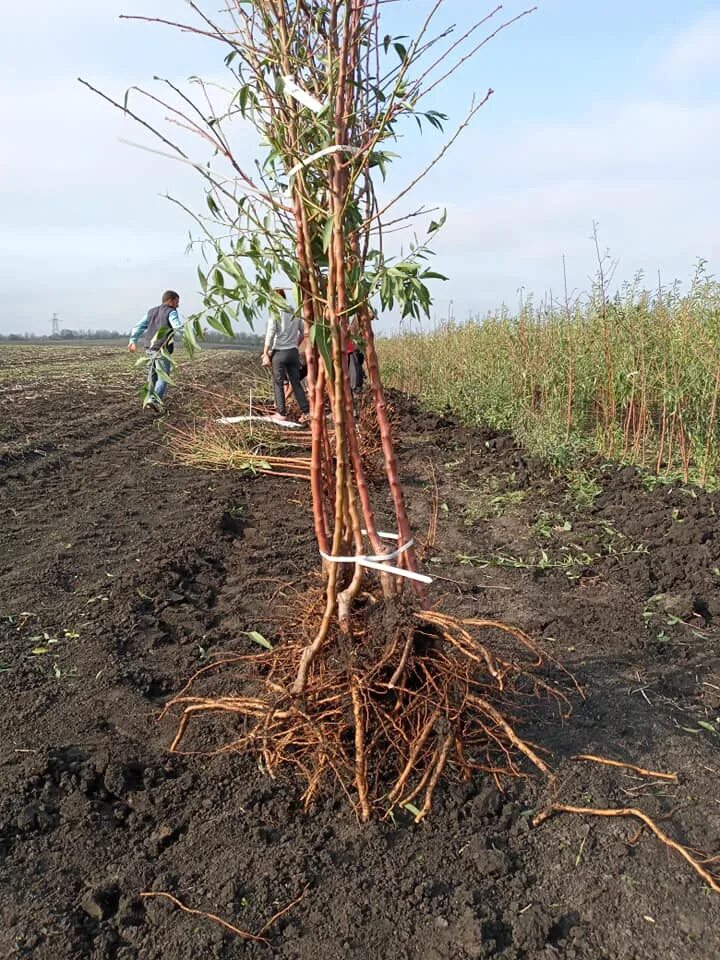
[(388, 448)]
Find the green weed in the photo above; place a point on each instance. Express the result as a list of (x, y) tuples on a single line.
[(582, 488)]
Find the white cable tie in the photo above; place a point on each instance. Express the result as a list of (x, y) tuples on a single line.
[(302, 96), (373, 558), (397, 571), (326, 151)]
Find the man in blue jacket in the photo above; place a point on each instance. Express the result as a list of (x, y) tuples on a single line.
[(159, 326)]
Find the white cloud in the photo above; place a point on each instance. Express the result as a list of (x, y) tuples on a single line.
[(645, 171), (695, 48), (84, 231)]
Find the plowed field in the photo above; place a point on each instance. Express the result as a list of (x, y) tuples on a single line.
[(121, 573)]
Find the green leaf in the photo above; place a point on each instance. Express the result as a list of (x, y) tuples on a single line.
[(411, 808), (230, 266), (38, 651), (191, 332), (327, 234), (217, 324), (320, 335), (163, 375), (401, 51), (259, 639), (226, 324), (707, 726), (436, 224), (435, 118), (243, 96)]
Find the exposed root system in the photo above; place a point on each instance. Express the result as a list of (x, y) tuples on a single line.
[(697, 864), (411, 698)]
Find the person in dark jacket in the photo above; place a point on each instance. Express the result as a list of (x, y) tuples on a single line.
[(283, 335), (159, 326)]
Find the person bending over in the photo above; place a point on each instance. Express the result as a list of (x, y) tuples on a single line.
[(159, 326), (284, 333)]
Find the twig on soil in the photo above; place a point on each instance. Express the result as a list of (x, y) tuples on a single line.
[(709, 879), (673, 777), (256, 937), (280, 913), (244, 934)]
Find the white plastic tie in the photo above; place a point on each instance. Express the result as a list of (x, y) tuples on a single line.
[(373, 557), (302, 96), (381, 561), (325, 152), (397, 571)]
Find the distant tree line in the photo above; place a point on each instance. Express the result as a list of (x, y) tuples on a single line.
[(249, 341), (65, 335)]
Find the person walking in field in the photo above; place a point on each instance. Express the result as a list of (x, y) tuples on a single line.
[(159, 326), (283, 335)]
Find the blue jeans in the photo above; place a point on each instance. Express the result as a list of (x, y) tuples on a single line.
[(156, 386)]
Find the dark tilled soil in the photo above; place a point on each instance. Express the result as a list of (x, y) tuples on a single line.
[(121, 574)]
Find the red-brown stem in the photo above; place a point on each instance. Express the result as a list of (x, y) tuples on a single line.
[(316, 408), (661, 443), (710, 430), (391, 464)]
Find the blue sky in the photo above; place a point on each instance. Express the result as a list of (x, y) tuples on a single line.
[(603, 110)]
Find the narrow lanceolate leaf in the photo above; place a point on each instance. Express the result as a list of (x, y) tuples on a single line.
[(226, 323), (436, 224), (707, 726), (243, 98), (259, 639), (320, 335), (217, 324), (327, 234)]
